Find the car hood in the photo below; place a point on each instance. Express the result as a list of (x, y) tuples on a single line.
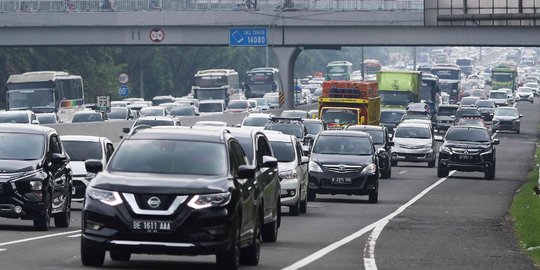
[(524, 93), (287, 166), (411, 141), (505, 118), (160, 183), (466, 145), (15, 166), (499, 100), (324, 159)]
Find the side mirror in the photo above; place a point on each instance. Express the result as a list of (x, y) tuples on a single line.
[(58, 158), (496, 142), (93, 165), (390, 143), (453, 116), (521, 116), (381, 151), (246, 171), (126, 130), (304, 160), (35, 122), (268, 161), (237, 126)]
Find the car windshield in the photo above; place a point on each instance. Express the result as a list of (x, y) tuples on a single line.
[(467, 134), (525, 90), (81, 150), (314, 127), (86, 117), (210, 107), (170, 157), (485, 104), (340, 116), (471, 122), (377, 136), (153, 122), (460, 113), (255, 121), (46, 119), (470, 101), (17, 146), (14, 118), (283, 151), (289, 129), (238, 105), (506, 112), (391, 117), (118, 113), (498, 95), (342, 145), (446, 111), (413, 132)]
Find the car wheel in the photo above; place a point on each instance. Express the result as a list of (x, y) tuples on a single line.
[(374, 197), (121, 256), (490, 173), (63, 219), (311, 195), (43, 222), (250, 255), (431, 164), (442, 171), (303, 206), (393, 163), (91, 256), (230, 259), (270, 230)]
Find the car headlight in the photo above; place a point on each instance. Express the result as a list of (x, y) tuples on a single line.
[(36, 185), (370, 169), (210, 200), (290, 174), (314, 167), (445, 149), (111, 198)]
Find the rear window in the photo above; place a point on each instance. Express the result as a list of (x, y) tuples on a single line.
[(283, 151), (255, 121), (289, 129), (343, 145), (14, 118), (81, 151), (446, 111), (153, 123), (413, 132)]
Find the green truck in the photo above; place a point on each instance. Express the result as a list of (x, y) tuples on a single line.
[(399, 88), (504, 75)]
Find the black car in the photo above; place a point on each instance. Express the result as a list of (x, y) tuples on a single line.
[(35, 176), (390, 118), (174, 191), (468, 149), (259, 153), (383, 145), (344, 162), (469, 111), (487, 108)]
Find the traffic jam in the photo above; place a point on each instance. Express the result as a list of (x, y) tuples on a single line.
[(220, 188)]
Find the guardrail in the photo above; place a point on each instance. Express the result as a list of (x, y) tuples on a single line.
[(206, 5)]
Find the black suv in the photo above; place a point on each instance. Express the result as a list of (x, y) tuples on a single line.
[(173, 191), (383, 145), (468, 149), (343, 162), (259, 153), (35, 176)]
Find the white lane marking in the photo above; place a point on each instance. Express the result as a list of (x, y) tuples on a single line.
[(75, 235), (369, 249), (37, 238), (324, 251), (2, 249), (402, 172)]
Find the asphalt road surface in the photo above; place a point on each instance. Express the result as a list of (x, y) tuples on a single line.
[(420, 222)]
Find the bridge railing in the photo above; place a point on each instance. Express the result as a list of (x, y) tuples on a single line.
[(206, 5)]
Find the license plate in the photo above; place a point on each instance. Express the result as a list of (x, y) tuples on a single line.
[(151, 226), (466, 157), (341, 181)]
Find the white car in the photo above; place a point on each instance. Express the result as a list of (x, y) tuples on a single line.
[(413, 142), (210, 124), (500, 97), (153, 111), (209, 107), (293, 173), (273, 100), (256, 120), (19, 117), (510, 95), (525, 94), (535, 88), (80, 149)]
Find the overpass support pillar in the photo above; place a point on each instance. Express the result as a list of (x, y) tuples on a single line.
[(286, 57)]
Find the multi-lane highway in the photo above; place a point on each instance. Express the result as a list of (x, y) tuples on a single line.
[(420, 222)]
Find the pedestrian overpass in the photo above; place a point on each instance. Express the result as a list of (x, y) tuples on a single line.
[(291, 25)]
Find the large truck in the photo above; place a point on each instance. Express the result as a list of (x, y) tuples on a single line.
[(345, 103), (449, 81), (217, 84), (430, 93), (339, 71), (504, 75), (466, 65), (398, 88)]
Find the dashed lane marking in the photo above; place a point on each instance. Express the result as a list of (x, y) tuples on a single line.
[(37, 238)]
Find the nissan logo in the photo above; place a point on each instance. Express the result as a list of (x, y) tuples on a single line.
[(154, 202)]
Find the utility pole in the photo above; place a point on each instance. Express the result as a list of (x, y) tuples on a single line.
[(141, 82), (362, 64), (414, 57)]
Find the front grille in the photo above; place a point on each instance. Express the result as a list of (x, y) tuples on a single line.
[(163, 199), (343, 169), (466, 151)]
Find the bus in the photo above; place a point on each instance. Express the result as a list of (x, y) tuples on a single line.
[(216, 84), (466, 65), (371, 66), (260, 81), (46, 92), (338, 71), (449, 80)]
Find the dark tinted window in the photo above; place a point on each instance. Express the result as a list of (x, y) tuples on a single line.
[(460, 113), (81, 151), (466, 134), (391, 117), (377, 136), (342, 145), (21, 146), (446, 111), (256, 121), (314, 127), (237, 104), (468, 101), (210, 107), (118, 113), (182, 111), (170, 157), (153, 123), (263, 149), (289, 129), (237, 157), (413, 132), (283, 151), (14, 118), (485, 104), (295, 114), (55, 145), (46, 119), (247, 145), (86, 117), (506, 112)]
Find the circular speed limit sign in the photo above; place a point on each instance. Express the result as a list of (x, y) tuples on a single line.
[(123, 78), (157, 35)]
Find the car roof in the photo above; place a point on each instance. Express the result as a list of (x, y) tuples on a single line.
[(211, 101), (87, 112), (355, 133), (83, 138), (180, 133), (413, 124), (275, 137), (261, 115), (394, 110), (25, 128), (157, 118), (16, 112), (365, 127)]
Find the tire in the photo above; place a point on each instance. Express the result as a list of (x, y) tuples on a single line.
[(311, 195), (91, 256), (490, 174), (230, 259), (43, 222), (63, 219), (250, 255), (431, 164), (303, 206), (386, 173), (374, 197), (393, 163), (270, 230), (120, 256), (442, 171)]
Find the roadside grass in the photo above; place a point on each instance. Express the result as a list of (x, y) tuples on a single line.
[(525, 212)]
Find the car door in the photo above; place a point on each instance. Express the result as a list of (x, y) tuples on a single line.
[(302, 168), (267, 178), (58, 170), (247, 190)]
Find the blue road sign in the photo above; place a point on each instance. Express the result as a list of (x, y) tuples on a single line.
[(248, 36), (123, 90)]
